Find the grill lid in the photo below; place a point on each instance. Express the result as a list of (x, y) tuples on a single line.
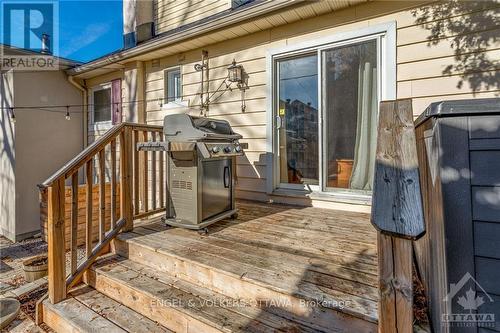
[(182, 127)]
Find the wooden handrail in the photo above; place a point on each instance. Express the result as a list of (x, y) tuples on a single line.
[(109, 225), (85, 155)]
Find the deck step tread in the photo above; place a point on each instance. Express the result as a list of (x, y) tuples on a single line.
[(117, 313), (268, 267), (87, 311), (334, 249), (265, 257), (194, 306), (265, 317), (362, 304)]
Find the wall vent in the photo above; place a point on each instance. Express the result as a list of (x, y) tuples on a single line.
[(182, 185)]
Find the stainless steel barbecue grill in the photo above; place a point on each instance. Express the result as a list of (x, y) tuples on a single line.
[(201, 167)]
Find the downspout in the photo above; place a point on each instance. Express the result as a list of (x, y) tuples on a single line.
[(84, 104)]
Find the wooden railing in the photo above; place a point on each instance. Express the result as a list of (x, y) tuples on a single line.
[(148, 170), (396, 213), (136, 199)]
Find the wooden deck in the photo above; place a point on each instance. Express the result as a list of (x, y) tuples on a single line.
[(276, 268), (314, 254)]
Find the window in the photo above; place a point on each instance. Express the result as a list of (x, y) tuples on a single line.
[(325, 110), (173, 85), (102, 104)]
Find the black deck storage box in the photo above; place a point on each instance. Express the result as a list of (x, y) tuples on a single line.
[(458, 144)]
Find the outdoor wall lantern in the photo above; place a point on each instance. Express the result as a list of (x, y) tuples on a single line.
[(235, 73)]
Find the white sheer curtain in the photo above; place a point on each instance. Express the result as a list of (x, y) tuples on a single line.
[(366, 129)]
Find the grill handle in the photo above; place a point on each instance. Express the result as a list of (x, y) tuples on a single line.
[(227, 177)]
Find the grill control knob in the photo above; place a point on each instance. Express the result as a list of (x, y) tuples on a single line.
[(215, 149), (237, 149), (227, 149)]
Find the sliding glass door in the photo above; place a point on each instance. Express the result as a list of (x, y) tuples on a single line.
[(297, 120), (327, 143), (349, 94)]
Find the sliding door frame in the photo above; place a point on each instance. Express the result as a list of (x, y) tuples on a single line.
[(323, 136), (385, 34)]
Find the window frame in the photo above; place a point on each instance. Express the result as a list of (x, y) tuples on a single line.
[(177, 101), (99, 125), (385, 35)]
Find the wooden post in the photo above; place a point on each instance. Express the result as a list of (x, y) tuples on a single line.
[(56, 243), (395, 311), (397, 202), (397, 214), (126, 206)]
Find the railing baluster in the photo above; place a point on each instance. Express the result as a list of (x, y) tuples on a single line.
[(56, 243), (160, 176), (74, 221), (88, 202), (153, 174), (102, 196), (145, 194), (113, 183), (135, 154), (125, 178)]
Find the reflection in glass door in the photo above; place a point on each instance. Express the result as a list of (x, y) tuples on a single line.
[(297, 120), (349, 95)]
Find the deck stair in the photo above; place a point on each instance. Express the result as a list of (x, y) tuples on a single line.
[(174, 280)]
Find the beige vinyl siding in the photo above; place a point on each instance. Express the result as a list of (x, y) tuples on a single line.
[(171, 14), (420, 66), (251, 170), (421, 62)]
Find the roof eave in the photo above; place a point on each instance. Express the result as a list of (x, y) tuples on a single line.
[(234, 17)]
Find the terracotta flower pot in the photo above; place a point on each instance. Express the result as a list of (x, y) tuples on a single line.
[(35, 267)]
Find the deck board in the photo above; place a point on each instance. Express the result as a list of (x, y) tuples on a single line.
[(311, 252), (194, 301), (87, 310)]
